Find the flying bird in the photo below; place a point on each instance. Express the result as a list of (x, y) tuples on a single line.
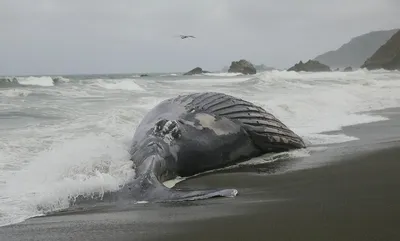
[(186, 36)]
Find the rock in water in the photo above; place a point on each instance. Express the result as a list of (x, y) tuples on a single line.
[(196, 70), (310, 66), (242, 66), (387, 56), (348, 69)]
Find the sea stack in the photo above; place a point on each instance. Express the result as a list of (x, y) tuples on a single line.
[(242, 66), (196, 70), (310, 66)]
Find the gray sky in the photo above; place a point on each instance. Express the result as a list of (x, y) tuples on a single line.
[(99, 36)]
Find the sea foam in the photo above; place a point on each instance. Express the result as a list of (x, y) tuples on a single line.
[(120, 84), (45, 164)]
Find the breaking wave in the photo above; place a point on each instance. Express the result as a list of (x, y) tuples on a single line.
[(120, 84), (47, 162), (44, 81)]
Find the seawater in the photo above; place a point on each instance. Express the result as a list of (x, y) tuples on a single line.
[(61, 136)]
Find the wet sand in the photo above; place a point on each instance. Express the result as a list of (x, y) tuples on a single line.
[(352, 193)]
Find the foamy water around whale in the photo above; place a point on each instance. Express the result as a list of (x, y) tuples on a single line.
[(65, 136)]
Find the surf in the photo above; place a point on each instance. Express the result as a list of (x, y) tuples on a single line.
[(45, 164)]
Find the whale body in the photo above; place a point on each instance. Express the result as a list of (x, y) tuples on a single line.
[(198, 132)]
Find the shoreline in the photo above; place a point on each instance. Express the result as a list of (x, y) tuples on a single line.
[(351, 194)]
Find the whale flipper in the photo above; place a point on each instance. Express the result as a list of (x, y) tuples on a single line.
[(148, 188), (267, 132), (190, 195), (165, 194)]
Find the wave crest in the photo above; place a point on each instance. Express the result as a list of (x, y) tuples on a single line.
[(43, 81), (223, 74), (118, 84)]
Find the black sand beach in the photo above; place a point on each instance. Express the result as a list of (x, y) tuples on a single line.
[(352, 195)]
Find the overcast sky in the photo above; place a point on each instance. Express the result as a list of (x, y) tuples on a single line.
[(99, 36)]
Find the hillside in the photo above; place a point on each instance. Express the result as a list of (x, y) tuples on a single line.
[(387, 56), (357, 50)]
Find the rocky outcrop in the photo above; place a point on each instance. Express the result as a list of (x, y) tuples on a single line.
[(357, 50), (348, 69), (387, 56), (310, 66), (242, 66), (196, 70), (144, 75)]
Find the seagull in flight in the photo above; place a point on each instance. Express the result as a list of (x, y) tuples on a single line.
[(186, 36)]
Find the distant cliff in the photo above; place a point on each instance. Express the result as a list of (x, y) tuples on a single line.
[(387, 56), (357, 50)]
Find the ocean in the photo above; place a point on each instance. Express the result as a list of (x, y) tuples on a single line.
[(64, 136)]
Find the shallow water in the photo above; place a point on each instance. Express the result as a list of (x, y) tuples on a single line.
[(70, 135)]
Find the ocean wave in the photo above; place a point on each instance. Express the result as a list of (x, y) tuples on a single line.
[(44, 166), (223, 74), (199, 81), (15, 92), (168, 75), (118, 84), (312, 103), (57, 175), (60, 79), (38, 81), (8, 81), (43, 81)]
